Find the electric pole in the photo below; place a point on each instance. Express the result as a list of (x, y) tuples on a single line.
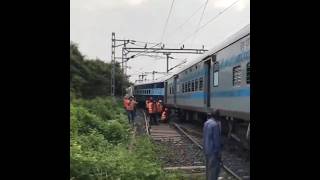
[(113, 62)]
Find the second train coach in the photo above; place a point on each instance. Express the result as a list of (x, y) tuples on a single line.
[(218, 80)]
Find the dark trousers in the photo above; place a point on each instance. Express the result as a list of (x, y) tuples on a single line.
[(153, 118), (212, 167), (130, 116), (158, 117)]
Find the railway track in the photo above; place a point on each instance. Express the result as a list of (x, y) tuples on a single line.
[(179, 153)]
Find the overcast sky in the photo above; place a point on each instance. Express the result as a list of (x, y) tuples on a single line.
[(93, 21)]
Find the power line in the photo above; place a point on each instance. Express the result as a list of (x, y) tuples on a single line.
[(145, 50), (153, 56), (218, 14), (179, 27), (145, 42), (137, 45), (201, 17), (165, 27), (215, 17)]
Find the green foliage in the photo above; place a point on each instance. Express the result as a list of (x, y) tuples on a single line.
[(98, 115), (91, 78), (103, 107), (99, 145)]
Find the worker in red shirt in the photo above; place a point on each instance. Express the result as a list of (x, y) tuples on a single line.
[(130, 109), (159, 109), (152, 110), (147, 102), (125, 102), (165, 115)]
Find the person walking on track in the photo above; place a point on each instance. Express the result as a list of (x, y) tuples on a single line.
[(130, 108), (212, 145)]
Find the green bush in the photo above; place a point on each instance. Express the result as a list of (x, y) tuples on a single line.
[(100, 147), (105, 108), (83, 121)]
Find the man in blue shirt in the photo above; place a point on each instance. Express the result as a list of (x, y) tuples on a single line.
[(212, 145)]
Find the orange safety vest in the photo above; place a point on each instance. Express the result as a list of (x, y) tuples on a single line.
[(131, 105), (159, 107), (152, 107), (126, 103)]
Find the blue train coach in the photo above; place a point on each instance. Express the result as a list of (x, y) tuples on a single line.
[(144, 90)]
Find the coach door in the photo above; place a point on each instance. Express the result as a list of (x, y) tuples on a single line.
[(175, 89), (165, 92), (207, 70)]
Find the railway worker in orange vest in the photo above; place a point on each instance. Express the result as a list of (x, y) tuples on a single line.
[(159, 109), (125, 102), (147, 102), (125, 105), (152, 110), (135, 106), (165, 115), (130, 109)]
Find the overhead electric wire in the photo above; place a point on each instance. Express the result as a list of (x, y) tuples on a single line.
[(215, 17), (154, 56), (179, 27), (137, 45), (201, 17), (144, 51), (145, 42), (165, 26)]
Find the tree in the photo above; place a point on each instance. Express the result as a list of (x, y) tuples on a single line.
[(90, 78)]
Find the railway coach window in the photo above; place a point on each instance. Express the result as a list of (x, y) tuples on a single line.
[(216, 74), (196, 85), (237, 76), (182, 87), (248, 73), (192, 85), (186, 87), (189, 86), (201, 84)]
